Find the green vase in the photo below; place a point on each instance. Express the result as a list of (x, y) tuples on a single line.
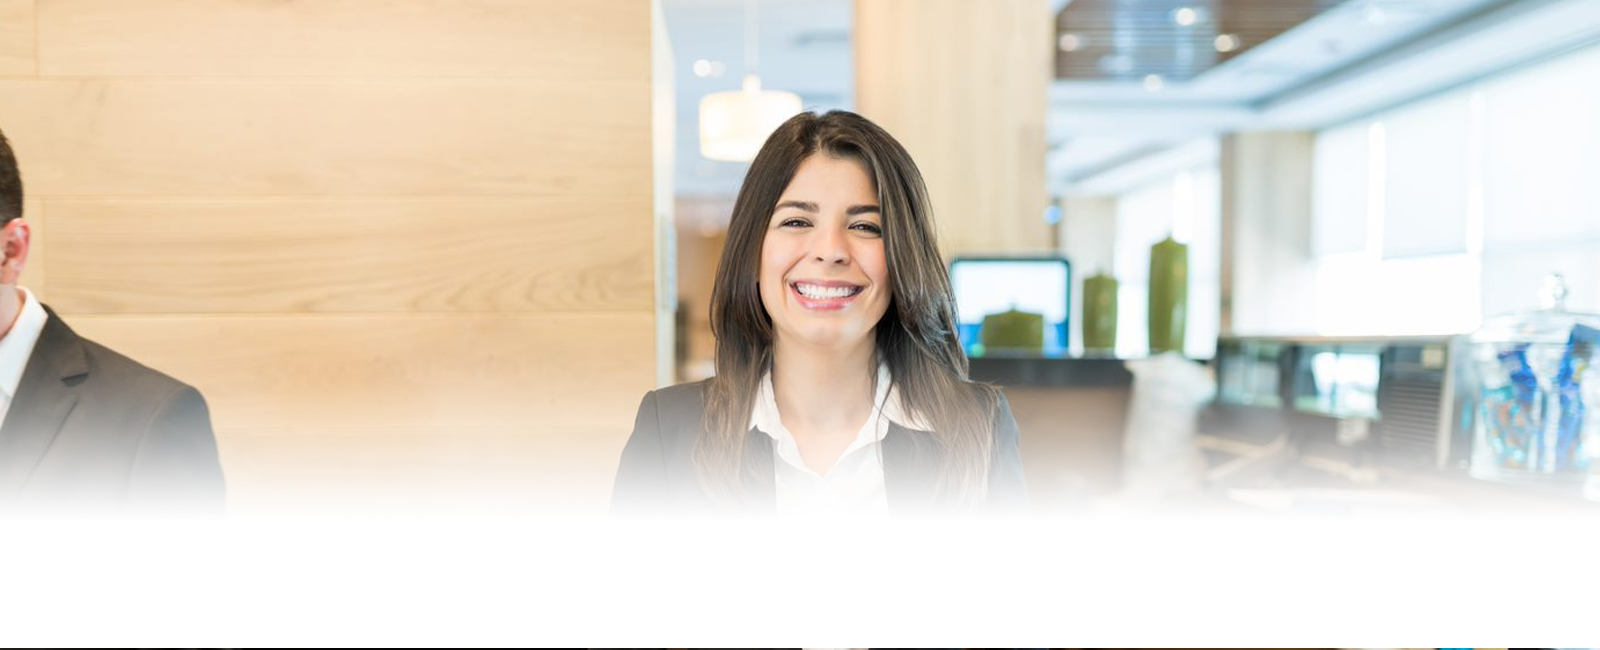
[(1013, 331), (1100, 313), (1169, 295)]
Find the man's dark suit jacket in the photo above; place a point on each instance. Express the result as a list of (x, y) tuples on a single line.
[(90, 430), (657, 473)]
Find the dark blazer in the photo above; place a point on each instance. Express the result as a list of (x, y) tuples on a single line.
[(657, 473), (90, 430)]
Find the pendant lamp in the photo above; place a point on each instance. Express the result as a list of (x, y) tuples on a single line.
[(734, 124)]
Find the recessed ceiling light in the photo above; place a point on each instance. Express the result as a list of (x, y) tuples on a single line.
[(702, 68), (1152, 82), (1185, 16), (1226, 42), (1069, 42)]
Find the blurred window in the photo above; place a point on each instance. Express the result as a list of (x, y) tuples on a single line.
[(1339, 190), (1429, 216)]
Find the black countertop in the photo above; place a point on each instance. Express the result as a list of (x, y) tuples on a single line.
[(1048, 372)]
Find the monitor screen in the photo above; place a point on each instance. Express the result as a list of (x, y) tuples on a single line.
[(1338, 380), (1247, 372), (990, 286)]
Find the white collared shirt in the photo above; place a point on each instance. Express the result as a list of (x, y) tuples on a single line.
[(16, 347), (854, 485)]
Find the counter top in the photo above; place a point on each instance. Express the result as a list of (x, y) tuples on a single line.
[(1051, 372)]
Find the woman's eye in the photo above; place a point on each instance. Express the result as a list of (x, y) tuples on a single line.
[(794, 222), (868, 227)]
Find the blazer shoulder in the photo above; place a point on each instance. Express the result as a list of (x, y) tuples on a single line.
[(127, 374), (656, 468), (1008, 486), (1005, 424), (68, 353), (681, 403), (688, 391)]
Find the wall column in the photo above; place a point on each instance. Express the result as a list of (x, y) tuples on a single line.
[(1268, 279), (964, 86)]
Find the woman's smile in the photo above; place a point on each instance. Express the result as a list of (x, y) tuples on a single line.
[(824, 295)]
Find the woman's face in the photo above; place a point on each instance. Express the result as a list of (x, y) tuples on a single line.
[(824, 279)]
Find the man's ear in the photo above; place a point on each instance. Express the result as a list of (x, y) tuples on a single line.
[(14, 241)]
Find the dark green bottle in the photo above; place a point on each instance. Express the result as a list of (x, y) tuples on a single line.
[(1099, 314), (1169, 295)]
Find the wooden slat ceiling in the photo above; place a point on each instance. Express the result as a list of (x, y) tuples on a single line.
[(1128, 39)]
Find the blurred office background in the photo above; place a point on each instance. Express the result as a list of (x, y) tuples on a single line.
[(1339, 170), (1377, 167), (431, 253)]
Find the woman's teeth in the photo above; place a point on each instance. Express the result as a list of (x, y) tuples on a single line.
[(815, 292)]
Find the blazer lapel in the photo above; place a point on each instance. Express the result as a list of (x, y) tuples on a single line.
[(760, 474), (911, 464), (44, 398)]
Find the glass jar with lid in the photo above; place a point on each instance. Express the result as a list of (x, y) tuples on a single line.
[(1535, 382)]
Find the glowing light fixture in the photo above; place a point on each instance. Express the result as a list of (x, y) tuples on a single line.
[(734, 124)]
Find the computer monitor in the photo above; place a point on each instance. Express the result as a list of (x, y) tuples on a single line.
[(1039, 285)]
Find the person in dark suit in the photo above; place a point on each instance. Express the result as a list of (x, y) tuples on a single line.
[(840, 385), (82, 428)]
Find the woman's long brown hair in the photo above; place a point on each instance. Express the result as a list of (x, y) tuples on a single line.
[(916, 338)]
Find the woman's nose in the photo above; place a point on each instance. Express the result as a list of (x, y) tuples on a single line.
[(829, 246)]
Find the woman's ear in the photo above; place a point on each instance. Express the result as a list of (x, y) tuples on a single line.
[(14, 240)]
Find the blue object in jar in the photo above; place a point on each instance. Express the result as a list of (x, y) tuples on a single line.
[(1569, 385), (1509, 411)]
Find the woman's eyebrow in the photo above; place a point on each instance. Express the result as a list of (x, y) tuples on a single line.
[(810, 206), (801, 205)]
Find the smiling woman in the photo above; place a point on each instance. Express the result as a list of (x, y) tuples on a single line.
[(840, 385)]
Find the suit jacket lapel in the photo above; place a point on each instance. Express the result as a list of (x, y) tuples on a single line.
[(761, 475), (911, 464), (44, 398)]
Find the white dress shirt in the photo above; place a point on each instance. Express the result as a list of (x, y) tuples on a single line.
[(16, 347), (854, 485)]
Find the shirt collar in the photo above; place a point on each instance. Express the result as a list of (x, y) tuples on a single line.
[(17, 345), (886, 408)]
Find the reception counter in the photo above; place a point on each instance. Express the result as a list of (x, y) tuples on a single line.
[(1048, 372), (1071, 414)]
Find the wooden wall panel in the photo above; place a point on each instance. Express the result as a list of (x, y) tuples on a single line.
[(367, 255), (146, 137), (579, 40), (16, 39), (462, 473), (964, 86), (419, 374), (406, 248)]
